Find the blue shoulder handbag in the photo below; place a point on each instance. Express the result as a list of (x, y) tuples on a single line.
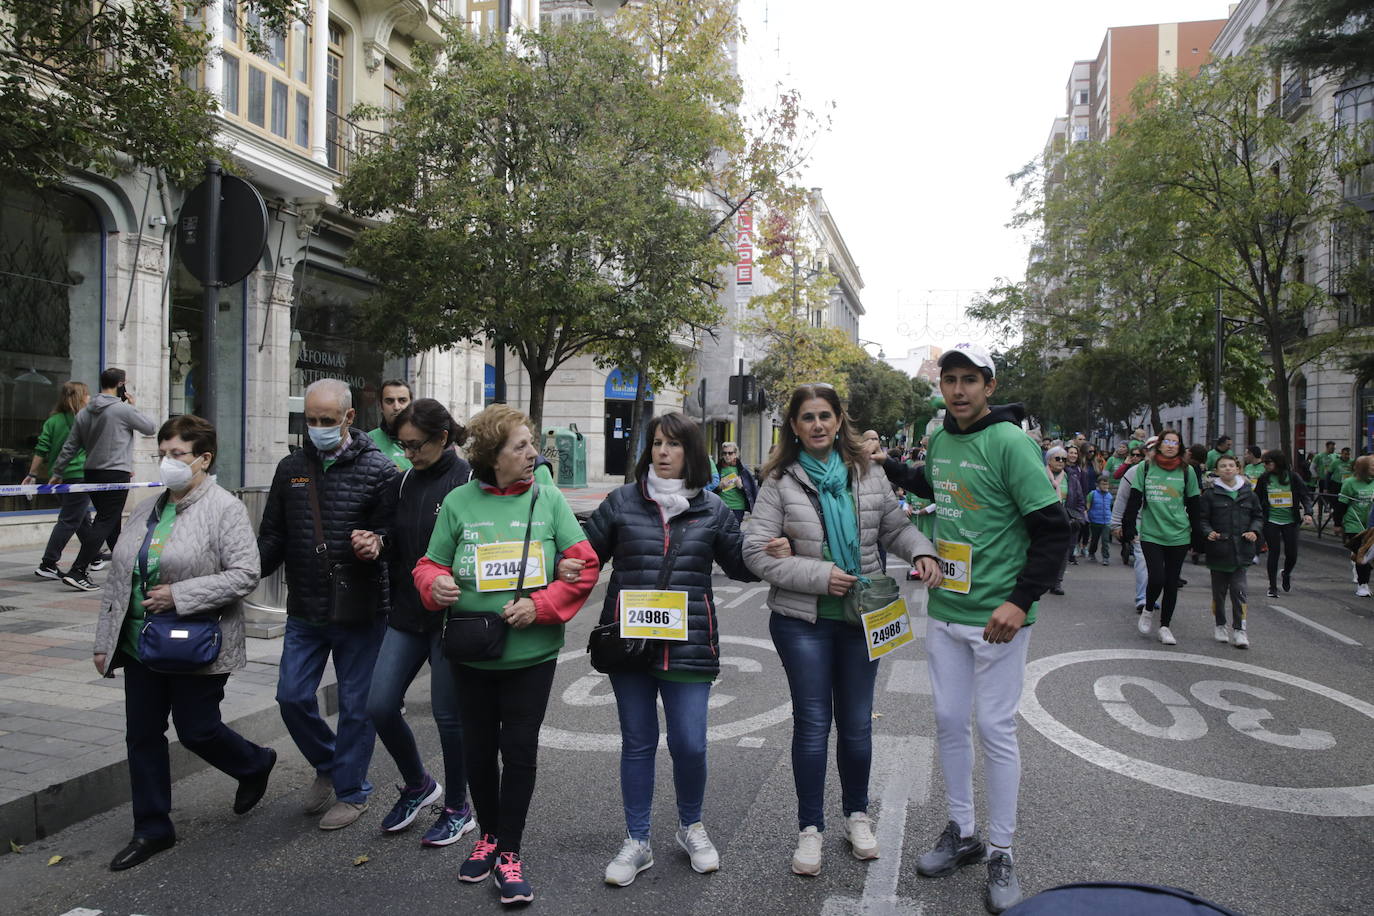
[(170, 643)]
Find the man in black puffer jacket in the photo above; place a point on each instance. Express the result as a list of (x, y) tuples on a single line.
[(350, 476)]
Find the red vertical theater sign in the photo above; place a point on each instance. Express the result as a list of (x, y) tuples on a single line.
[(744, 245)]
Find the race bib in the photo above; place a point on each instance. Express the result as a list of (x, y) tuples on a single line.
[(1281, 499), (887, 629), (956, 562), (498, 566), (653, 615)]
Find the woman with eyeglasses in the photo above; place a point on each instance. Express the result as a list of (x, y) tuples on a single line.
[(1165, 500), (821, 493), (1070, 489), (189, 552), (428, 437), (1283, 495)]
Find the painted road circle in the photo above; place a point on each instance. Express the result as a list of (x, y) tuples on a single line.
[(1334, 801), (551, 736)]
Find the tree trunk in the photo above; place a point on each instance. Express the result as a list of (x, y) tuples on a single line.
[(1156, 422), (538, 381), (636, 418), (1281, 397)]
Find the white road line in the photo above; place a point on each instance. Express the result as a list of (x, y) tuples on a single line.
[(903, 764), (82, 911), (1339, 637), (908, 676), (749, 593), (752, 741)]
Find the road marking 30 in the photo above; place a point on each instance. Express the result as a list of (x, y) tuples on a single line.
[(1334, 801)]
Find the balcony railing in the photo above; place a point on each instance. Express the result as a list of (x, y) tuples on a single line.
[(1297, 93), (446, 9), (345, 141)]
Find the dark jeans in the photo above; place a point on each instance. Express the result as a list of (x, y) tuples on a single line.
[(193, 701), (400, 659), (830, 676), (1101, 534), (502, 711), (1165, 564), (1362, 570), (344, 757), (684, 707), (1232, 585), (109, 507), (1287, 537), (72, 518)]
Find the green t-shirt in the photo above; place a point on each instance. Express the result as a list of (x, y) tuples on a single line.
[(1323, 463), (732, 494), (53, 436), (470, 517), (1252, 473), (1135, 444), (1213, 456), (1280, 493), (1164, 519), (390, 448), (133, 621), (984, 483), (1341, 471), (1113, 463), (1358, 495)]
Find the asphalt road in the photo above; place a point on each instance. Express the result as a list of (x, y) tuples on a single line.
[(1244, 776)]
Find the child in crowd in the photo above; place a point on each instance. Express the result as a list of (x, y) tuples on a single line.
[(1100, 518), (1230, 523)]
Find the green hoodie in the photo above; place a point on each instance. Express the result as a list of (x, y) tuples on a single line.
[(50, 441)]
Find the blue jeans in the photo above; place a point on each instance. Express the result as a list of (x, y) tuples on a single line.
[(343, 758), (400, 659), (829, 674), (684, 705)]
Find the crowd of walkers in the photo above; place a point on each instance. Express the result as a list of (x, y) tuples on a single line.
[(1162, 501), (430, 541)]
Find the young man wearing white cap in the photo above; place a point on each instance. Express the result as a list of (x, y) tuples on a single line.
[(1001, 532)]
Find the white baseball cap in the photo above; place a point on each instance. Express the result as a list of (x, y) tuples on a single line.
[(974, 353)]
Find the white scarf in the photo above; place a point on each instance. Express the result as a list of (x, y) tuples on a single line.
[(672, 496), (1240, 482)]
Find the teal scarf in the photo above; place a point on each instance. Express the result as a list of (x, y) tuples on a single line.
[(841, 522)]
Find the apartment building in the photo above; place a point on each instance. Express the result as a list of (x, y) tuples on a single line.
[(1329, 402), (91, 274)]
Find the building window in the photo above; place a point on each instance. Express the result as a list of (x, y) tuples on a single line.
[(1080, 133), (484, 15), (52, 253), (1082, 97), (285, 61), (395, 95), (333, 99)]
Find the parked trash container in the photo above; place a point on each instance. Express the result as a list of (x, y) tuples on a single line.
[(267, 603), (568, 455)]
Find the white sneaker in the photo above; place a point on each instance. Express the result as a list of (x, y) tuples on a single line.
[(806, 859), (1219, 633), (1362, 591), (1145, 623), (1354, 576), (858, 830), (1166, 637), (1239, 639), (634, 857), (699, 848)]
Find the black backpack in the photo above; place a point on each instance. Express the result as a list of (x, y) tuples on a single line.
[(1092, 898)]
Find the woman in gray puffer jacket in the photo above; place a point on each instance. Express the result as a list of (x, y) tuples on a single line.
[(819, 492), (190, 551)]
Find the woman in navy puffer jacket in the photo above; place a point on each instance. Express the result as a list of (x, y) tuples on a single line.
[(666, 519)]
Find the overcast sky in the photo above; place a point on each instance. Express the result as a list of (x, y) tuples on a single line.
[(934, 105)]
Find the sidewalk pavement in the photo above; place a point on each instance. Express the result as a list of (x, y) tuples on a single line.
[(62, 754)]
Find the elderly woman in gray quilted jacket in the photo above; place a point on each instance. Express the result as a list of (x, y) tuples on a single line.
[(190, 551), (818, 492)]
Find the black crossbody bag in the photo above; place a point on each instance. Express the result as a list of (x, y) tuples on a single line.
[(169, 642), (480, 636), (613, 654), (355, 589)]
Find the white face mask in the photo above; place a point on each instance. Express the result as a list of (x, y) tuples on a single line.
[(176, 475)]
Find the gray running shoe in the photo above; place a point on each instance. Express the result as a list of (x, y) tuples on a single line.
[(1003, 890), (951, 853), (634, 857)]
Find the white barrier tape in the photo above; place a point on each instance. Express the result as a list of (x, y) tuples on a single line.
[(44, 489)]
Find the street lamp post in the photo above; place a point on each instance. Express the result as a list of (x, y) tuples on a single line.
[(1225, 328)]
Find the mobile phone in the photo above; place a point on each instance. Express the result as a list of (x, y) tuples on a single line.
[(123, 393)]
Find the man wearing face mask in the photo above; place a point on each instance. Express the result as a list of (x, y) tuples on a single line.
[(325, 520)]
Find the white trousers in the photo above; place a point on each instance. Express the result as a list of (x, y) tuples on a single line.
[(967, 673)]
